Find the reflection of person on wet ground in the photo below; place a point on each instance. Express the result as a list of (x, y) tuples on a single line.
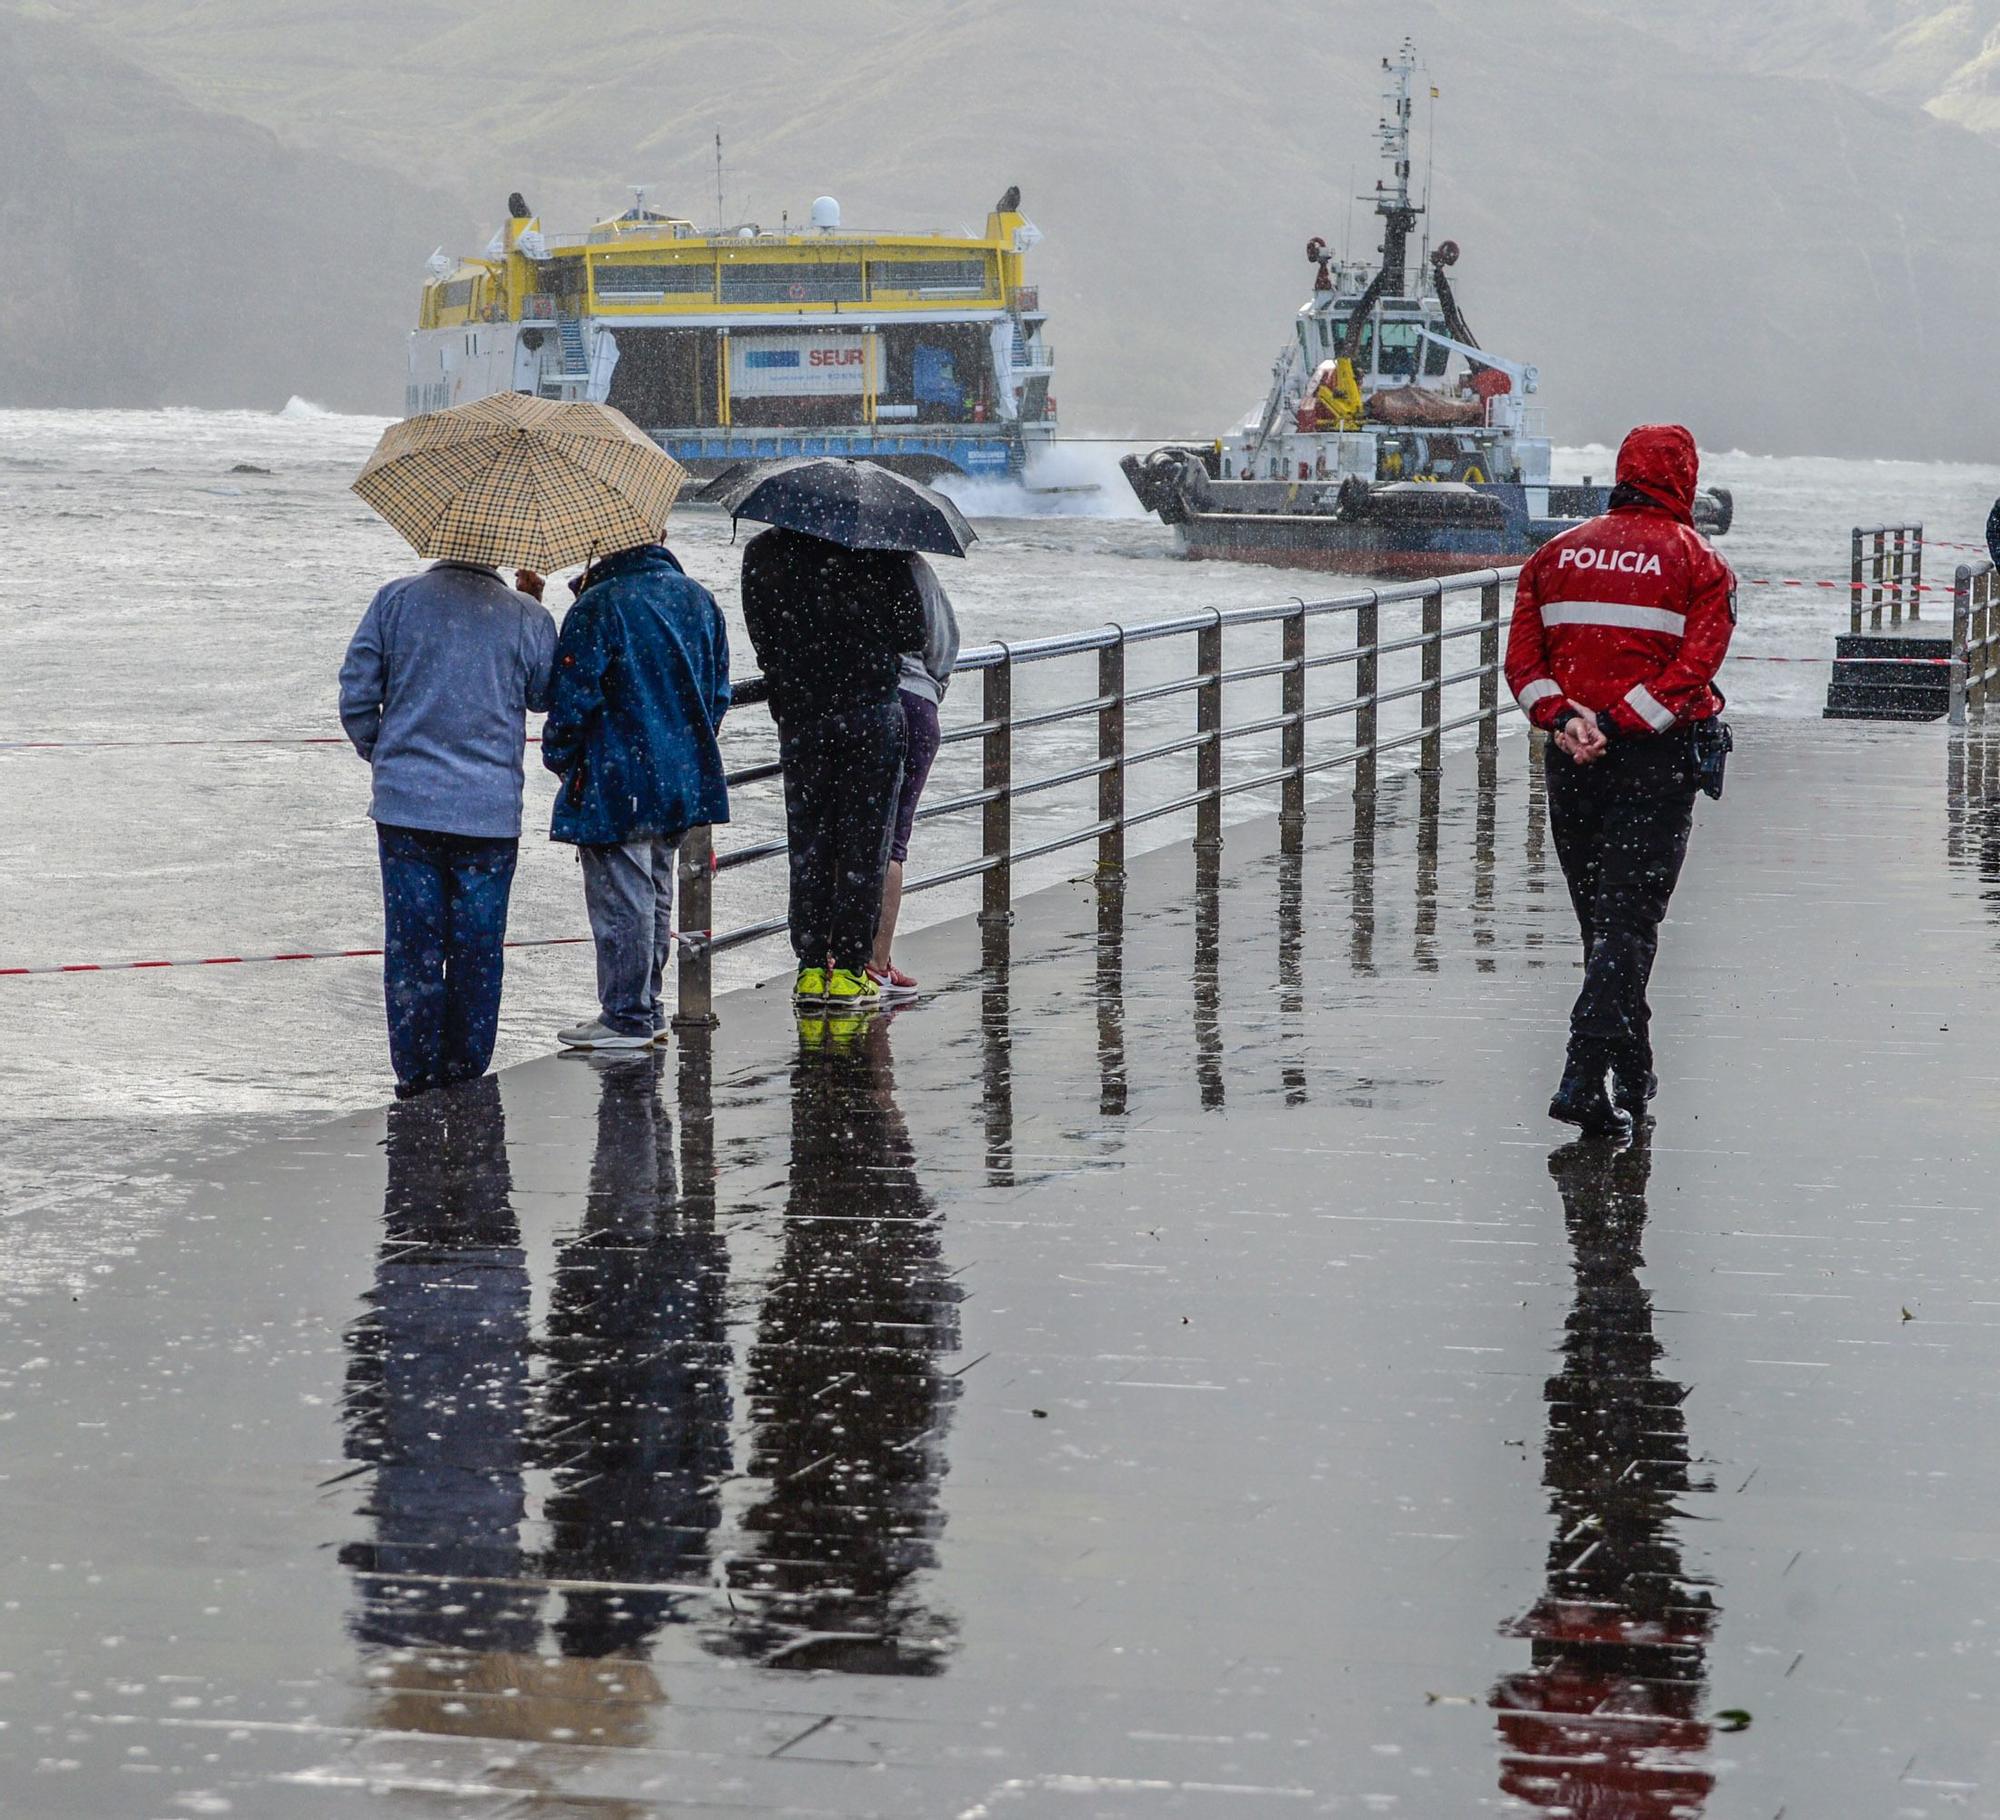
[(848, 1400), (632, 1428), (1608, 1720), (636, 1421), (438, 1386)]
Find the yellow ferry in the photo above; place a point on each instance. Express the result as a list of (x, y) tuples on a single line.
[(921, 350)]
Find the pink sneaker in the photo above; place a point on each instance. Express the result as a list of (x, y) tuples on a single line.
[(893, 982)]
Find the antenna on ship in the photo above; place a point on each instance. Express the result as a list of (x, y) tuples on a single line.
[(1392, 200), (718, 183), (1430, 166)]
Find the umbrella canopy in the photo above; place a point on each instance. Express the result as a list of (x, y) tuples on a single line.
[(521, 482), (853, 503)]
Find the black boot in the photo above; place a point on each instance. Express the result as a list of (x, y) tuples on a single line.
[(1582, 1100), (1633, 1084)]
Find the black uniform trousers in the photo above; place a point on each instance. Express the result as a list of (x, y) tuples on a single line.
[(1621, 830), (843, 772)]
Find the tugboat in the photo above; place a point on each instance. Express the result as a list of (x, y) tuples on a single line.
[(1391, 443)]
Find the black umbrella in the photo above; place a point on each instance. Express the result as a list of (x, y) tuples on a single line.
[(856, 504)]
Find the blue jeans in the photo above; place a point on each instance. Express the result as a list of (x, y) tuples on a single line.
[(444, 903)]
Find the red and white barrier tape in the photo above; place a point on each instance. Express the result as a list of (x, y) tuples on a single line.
[(255, 960), (153, 745), (1888, 586), (1752, 657)]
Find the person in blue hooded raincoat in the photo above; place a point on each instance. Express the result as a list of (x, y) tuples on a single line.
[(640, 687)]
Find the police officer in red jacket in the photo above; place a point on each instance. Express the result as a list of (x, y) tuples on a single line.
[(1619, 628)]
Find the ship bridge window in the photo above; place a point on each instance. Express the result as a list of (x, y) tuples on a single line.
[(928, 277), (1436, 359), (638, 282), (775, 282), (457, 295), (1399, 348)]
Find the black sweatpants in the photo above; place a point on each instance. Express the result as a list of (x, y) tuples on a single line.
[(1621, 830), (842, 775)]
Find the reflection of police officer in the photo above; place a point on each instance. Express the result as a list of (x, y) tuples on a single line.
[(1608, 1717), (1619, 628)]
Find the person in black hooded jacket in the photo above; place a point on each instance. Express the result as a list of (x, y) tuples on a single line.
[(829, 626)]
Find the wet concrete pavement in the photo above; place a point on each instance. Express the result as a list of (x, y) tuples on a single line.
[(1176, 1368)]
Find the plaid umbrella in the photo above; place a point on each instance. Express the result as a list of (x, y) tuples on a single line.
[(521, 482)]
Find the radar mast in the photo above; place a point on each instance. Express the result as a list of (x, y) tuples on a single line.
[(1392, 194)]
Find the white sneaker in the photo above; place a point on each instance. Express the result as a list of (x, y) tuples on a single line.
[(595, 1035)]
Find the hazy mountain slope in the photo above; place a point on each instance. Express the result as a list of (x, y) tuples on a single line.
[(159, 253), (1786, 263), (1929, 55)]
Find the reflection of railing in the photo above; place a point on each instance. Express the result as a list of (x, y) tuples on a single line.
[(998, 726), (1975, 638), (1890, 569)]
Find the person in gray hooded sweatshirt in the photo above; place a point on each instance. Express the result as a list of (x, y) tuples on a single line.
[(925, 678)]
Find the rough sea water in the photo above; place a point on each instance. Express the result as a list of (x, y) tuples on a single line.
[(181, 585)]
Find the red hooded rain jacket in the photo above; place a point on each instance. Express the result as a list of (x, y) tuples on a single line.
[(1629, 614)]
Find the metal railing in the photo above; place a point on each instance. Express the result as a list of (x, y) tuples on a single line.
[(1001, 730), (1975, 638), (1886, 565)]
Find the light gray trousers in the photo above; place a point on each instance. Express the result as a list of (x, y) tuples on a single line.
[(629, 893)]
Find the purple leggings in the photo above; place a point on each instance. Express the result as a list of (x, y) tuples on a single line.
[(921, 718)]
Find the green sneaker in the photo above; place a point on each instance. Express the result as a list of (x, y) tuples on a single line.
[(844, 1028), (811, 986), (852, 990)]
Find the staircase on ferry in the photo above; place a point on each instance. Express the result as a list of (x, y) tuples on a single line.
[(575, 368)]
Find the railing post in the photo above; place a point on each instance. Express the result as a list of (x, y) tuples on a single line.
[(1489, 667), (1982, 639), (1917, 573), (1896, 578), (695, 1003), (1877, 561), (1854, 580), (1208, 723), (1961, 640), (1431, 701), (1111, 754), (1292, 740), (996, 893), (1367, 684)]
